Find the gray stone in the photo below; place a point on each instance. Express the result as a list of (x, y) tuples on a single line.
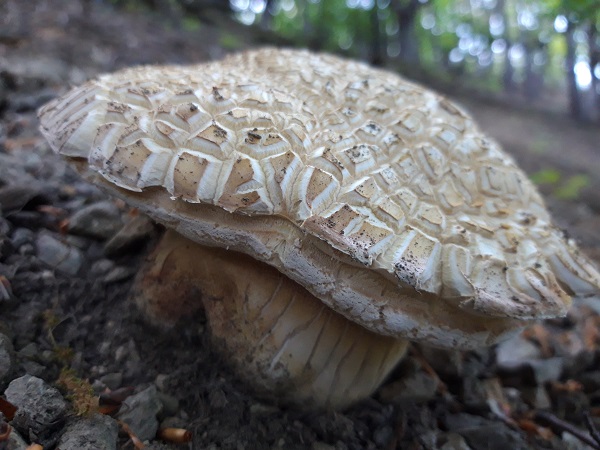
[(453, 441), (417, 386), (112, 380), (119, 273), (383, 436), (7, 359), (317, 445), (574, 443), (169, 402), (100, 220), (15, 441), (58, 255), (98, 432), (22, 236), (14, 197), (33, 368), (480, 433), (515, 352), (137, 230), (446, 363), (30, 351), (102, 267), (545, 370), (460, 421), (139, 411), (41, 408), (537, 397)]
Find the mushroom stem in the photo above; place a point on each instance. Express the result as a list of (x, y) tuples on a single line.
[(284, 341)]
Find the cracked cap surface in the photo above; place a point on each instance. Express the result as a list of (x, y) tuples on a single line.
[(379, 196)]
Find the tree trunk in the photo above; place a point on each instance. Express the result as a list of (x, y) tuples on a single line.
[(406, 13), (594, 49), (574, 96), (376, 54)]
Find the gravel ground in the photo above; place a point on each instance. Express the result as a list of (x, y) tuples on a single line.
[(69, 335)]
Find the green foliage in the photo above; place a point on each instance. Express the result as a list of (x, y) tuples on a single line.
[(565, 189), (572, 187), (576, 10), (230, 41), (190, 23), (546, 176)]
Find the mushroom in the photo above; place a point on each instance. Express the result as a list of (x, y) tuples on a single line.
[(322, 212)]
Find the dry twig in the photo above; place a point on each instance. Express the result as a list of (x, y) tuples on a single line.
[(562, 425), (591, 426)]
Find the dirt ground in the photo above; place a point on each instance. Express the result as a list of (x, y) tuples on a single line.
[(72, 310)]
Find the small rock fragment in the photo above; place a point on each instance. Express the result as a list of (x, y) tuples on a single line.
[(481, 433), (416, 385), (317, 445), (15, 196), (22, 236), (545, 370), (41, 408), (7, 359), (453, 441), (58, 255), (446, 363), (99, 221), (137, 230), (119, 273), (537, 397), (139, 412), (101, 267), (515, 352), (98, 432), (383, 436), (15, 441), (112, 380)]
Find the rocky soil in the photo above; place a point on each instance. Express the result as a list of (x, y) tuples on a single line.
[(68, 254)]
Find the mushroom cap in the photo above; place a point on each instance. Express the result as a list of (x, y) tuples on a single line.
[(379, 196)]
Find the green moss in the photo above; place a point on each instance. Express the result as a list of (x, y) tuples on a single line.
[(79, 392)]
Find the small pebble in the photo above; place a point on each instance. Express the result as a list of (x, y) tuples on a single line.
[(99, 220), (119, 273), (139, 411), (22, 236), (58, 255), (101, 267), (416, 385), (137, 230), (113, 380), (453, 441), (99, 432), (7, 359), (383, 435), (516, 352), (15, 441), (41, 408)]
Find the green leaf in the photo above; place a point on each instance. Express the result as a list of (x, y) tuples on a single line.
[(546, 176), (572, 187)]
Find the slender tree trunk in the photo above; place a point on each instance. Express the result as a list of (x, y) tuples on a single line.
[(406, 13), (594, 49), (574, 95), (376, 54), (267, 18), (534, 78), (509, 71)]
